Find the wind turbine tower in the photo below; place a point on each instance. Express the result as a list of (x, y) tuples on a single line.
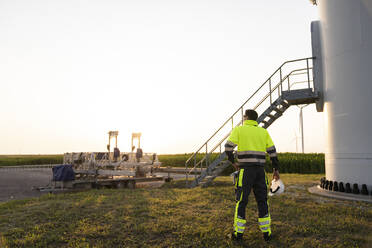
[(342, 45)]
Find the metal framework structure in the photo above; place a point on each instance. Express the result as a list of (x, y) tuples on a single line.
[(291, 84), (138, 137), (112, 134), (91, 166)]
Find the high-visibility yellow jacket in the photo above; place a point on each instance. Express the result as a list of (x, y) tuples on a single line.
[(253, 142)]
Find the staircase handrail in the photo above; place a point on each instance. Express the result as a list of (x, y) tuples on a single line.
[(193, 156)]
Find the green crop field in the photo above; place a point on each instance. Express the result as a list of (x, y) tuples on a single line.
[(175, 216), (289, 162), (11, 160)]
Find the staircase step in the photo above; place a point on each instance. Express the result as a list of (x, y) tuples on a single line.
[(223, 165), (278, 107), (208, 171), (271, 122), (285, 104), (276, 102), (277, 115), (278, 110)]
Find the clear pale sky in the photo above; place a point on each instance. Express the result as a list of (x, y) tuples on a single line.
[(174, 70)]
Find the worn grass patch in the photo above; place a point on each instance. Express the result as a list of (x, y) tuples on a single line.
[(175, 216)]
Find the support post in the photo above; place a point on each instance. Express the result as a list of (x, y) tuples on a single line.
[(308, 73), (281, 82), (206, 155), (270, 90), (242, 116), (302, 130)]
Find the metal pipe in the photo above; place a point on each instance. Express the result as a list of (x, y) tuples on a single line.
[(187, 178), (301, 119), (308, 74), (302, 130), (281, 81), (206, 154), (270, 91), (195, 160), (242, 116)]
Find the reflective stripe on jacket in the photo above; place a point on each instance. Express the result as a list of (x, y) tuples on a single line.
[(253, 142)]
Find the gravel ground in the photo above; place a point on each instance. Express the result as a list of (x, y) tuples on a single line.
[(18, 183)]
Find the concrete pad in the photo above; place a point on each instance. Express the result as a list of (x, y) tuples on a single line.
[(339, 195)]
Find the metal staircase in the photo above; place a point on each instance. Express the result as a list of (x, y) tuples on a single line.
[(291, 84)]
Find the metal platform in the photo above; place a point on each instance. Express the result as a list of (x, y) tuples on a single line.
[(301, 96)]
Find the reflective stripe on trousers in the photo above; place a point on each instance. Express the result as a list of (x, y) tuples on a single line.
[(239, 223), (264, 224)]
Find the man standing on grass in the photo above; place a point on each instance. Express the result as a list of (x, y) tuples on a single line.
[(253, 142)]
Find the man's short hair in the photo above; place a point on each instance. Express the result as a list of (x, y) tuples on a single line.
[(251, 114)]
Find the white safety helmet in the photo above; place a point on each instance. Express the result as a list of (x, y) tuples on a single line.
[(277, 187)]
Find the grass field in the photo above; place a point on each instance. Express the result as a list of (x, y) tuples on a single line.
[(175, 216)]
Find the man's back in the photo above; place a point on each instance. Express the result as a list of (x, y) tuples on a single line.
[(251, 137), (253, 141)]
